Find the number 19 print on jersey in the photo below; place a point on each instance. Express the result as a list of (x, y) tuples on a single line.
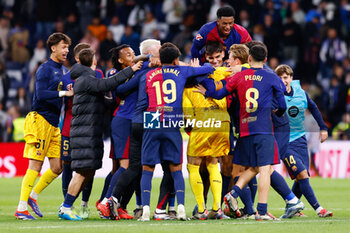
[(165, 85)]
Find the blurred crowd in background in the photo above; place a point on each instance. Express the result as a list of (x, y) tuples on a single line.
[(312, 36)]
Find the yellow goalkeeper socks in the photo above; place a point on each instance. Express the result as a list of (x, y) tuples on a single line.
[(27, 186), (44, 181), (215, 184), (196, 185)]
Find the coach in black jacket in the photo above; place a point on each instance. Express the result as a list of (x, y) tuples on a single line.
[(87, 122)]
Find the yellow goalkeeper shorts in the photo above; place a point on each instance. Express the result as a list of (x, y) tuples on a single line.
[(42, 139), (214, 144)]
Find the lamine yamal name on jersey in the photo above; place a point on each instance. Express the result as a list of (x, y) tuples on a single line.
[(164, 70)]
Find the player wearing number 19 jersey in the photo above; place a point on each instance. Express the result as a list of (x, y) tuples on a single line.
[(164, 87)]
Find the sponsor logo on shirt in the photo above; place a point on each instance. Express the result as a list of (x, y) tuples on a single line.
[(293, 111), (199, 37)]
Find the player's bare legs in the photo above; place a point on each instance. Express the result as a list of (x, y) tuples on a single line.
[(35, 165), (54, 171), (264, 183), (124, 163), (246, 176), (79, 181)]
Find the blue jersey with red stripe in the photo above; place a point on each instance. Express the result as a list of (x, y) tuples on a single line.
[(127, 93), (165, 85), (68, 84), (256, 89), (210, 32)]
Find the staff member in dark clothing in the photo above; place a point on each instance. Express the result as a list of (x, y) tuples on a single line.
[(87, 126)]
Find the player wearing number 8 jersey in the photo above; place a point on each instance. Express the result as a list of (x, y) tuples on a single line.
[(255, 88), (164, 87)]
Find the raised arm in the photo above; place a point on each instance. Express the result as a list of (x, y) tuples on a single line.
[(213, 94), (197, 71), (108, 84), (198, 43)]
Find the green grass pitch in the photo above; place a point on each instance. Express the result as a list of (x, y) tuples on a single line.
[(333, 194)]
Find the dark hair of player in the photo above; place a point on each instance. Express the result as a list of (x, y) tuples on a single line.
[(115, 56), (225, 11), (168, 44), (251, 43), (86, 57), (56, 38), (168, 53), (213, 47), (258, 53), (80, 47)]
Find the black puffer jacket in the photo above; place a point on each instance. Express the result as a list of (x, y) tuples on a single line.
[(88, 111)]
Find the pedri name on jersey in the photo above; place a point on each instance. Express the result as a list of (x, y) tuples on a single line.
[(253, 77)]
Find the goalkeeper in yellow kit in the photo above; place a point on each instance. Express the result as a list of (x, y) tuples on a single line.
[(207, 143)]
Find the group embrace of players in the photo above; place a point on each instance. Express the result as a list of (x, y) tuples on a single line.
[(260, 114)]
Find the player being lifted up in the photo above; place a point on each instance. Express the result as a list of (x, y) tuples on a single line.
[(256, 88), (296, 158), (41, 132), (164, 87)]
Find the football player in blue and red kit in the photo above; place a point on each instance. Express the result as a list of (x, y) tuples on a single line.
[(67, 172), (122, 57), (223, 30), (164, 87), (131, 177), (255, 88)]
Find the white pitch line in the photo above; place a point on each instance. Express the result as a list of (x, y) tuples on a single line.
[(183, 224), (307, 208)]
